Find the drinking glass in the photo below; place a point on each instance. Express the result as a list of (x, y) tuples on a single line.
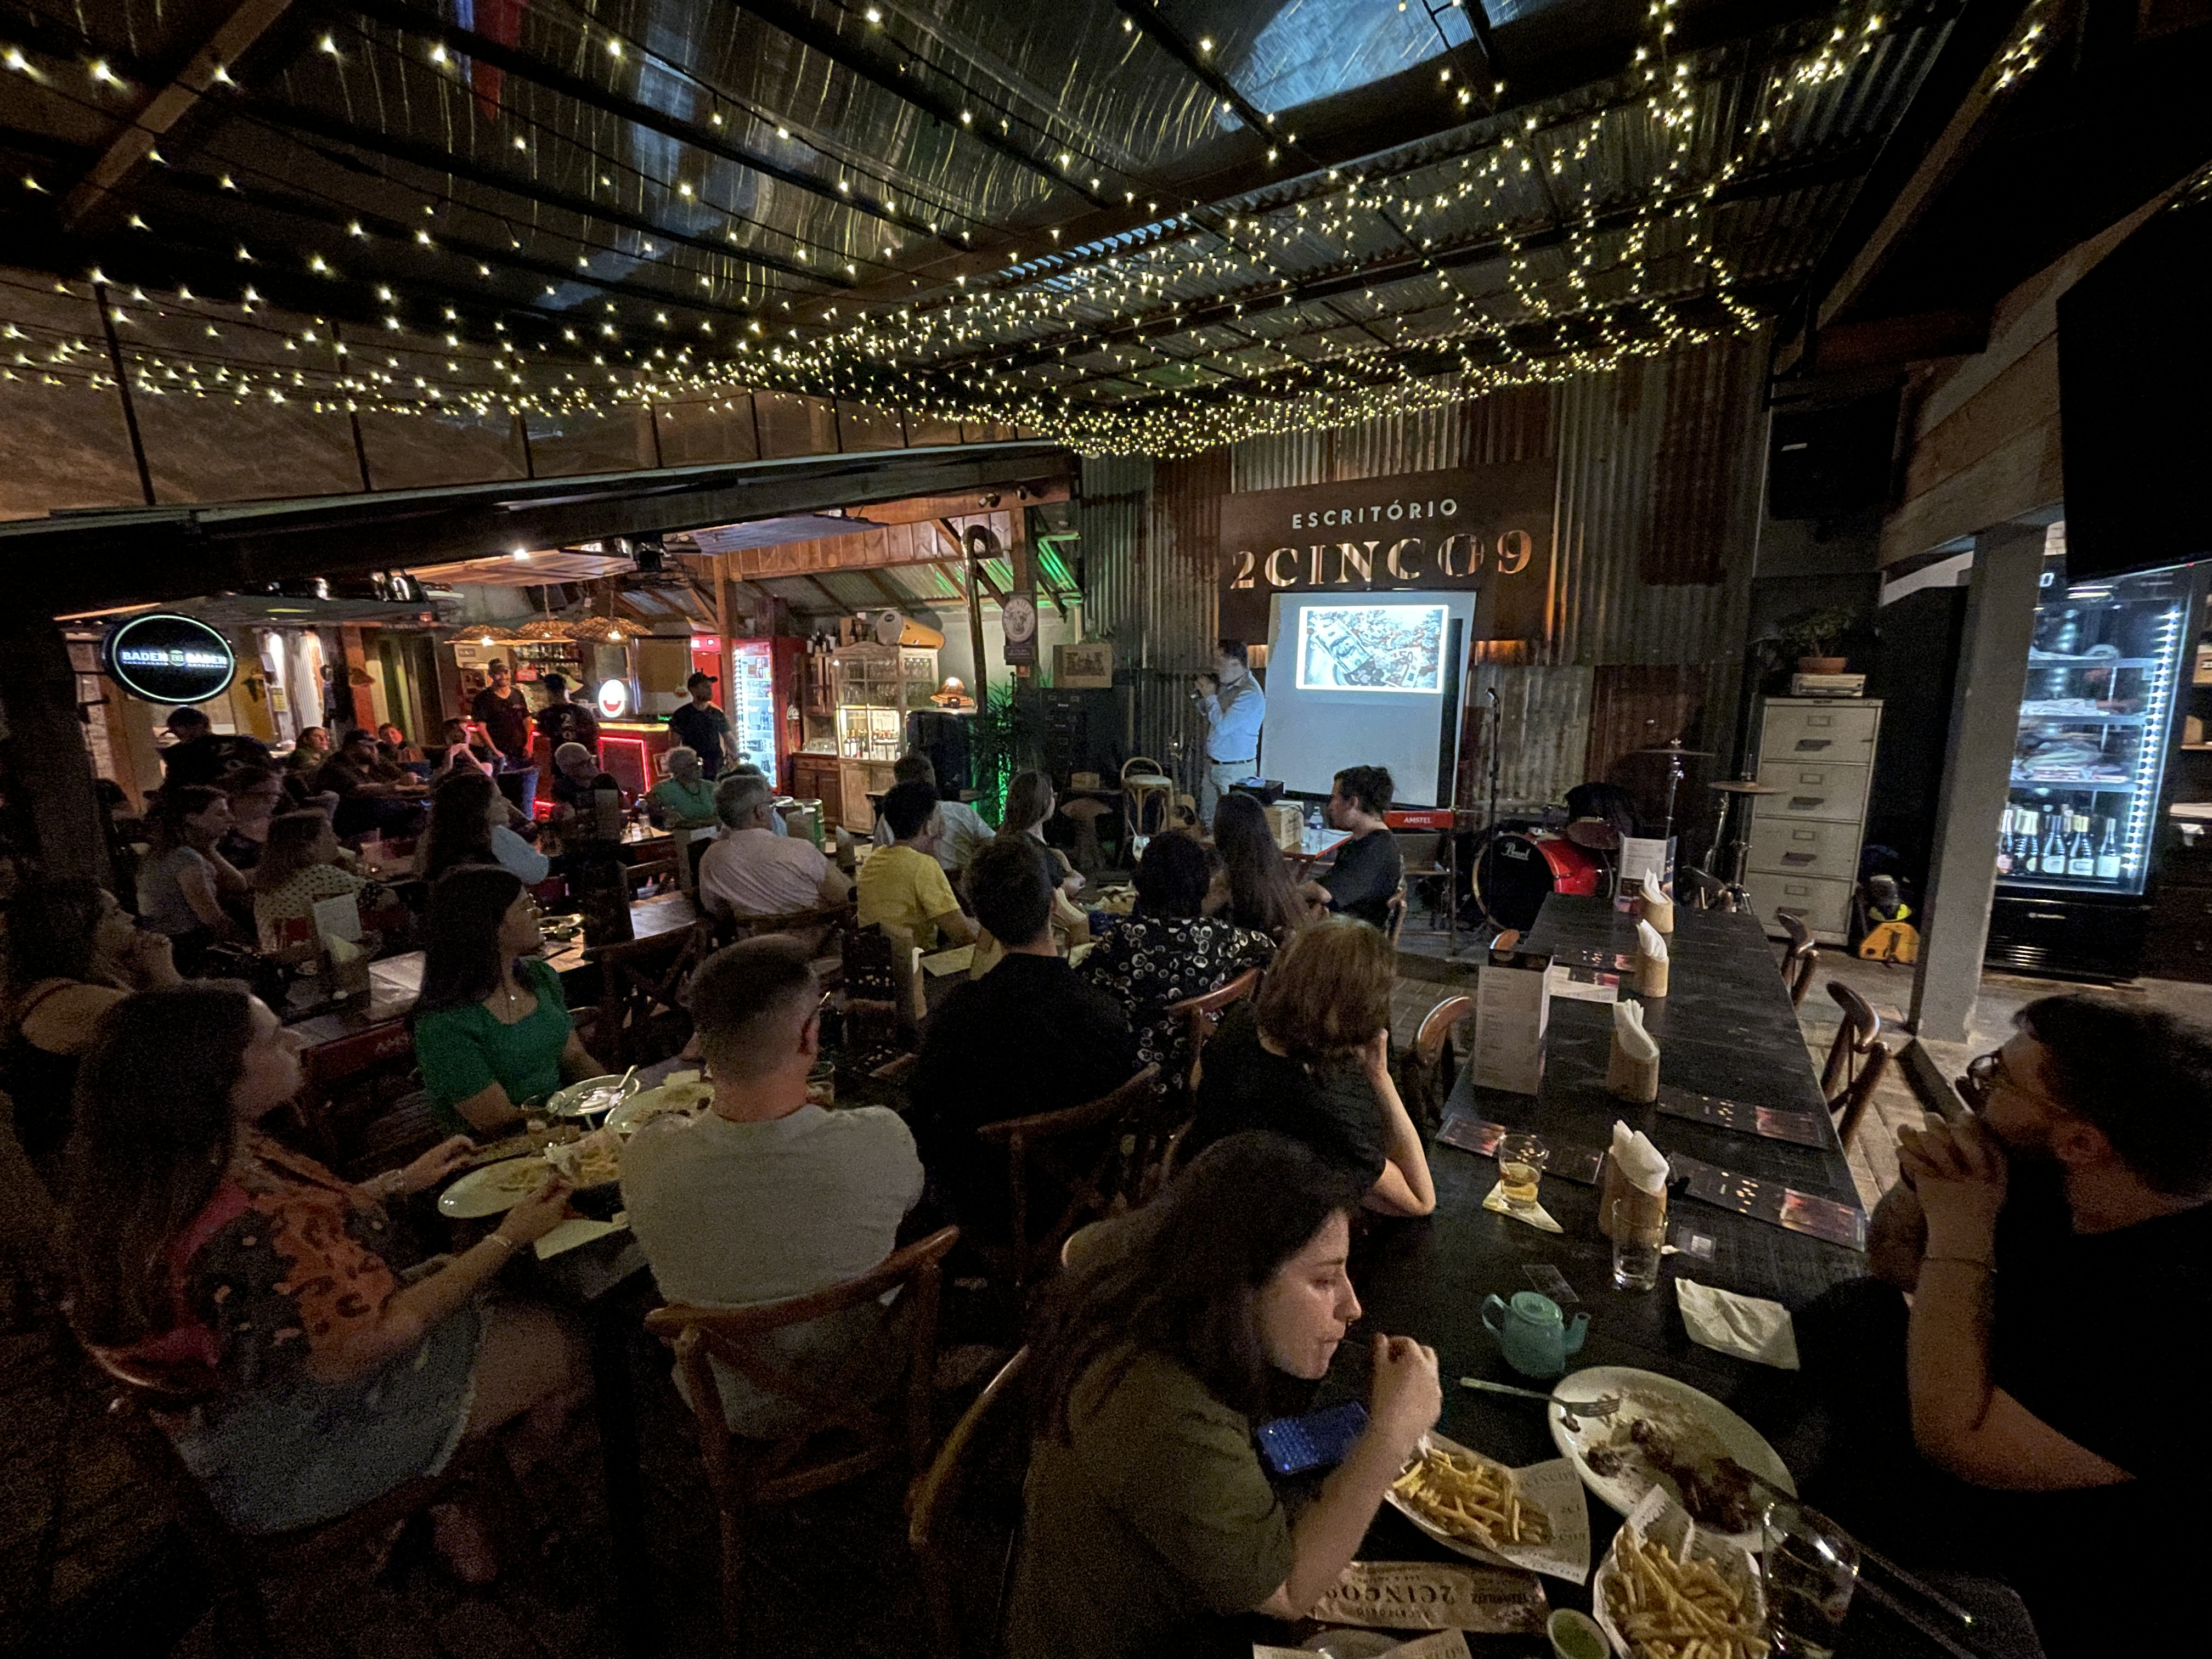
[(1809, 1567), (1520, 1160), (1637, 1235)]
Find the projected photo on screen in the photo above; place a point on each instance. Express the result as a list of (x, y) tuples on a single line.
[(1372, 648)]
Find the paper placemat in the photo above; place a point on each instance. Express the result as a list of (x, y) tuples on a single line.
[(1434, 1596)]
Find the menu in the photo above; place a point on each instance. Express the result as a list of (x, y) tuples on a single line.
[(1801, 1128), (1512, 1006), (1773, 1202), (1480, 1137)]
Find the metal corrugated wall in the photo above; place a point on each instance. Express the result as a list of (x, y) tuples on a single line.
[(1622, 439)]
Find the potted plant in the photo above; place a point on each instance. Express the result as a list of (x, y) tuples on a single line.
[(1815, 638)]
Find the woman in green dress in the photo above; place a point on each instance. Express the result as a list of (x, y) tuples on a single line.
[(492, 1033)]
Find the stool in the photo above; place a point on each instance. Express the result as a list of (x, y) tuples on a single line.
[(1146, 790)]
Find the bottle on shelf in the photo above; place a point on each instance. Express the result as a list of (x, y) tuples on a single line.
[(2052, 861), (2004, 843), (2081, 852), (2108, 852)]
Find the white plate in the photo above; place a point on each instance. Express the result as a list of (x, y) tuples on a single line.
[(493, 1189), (1622, 1492), (649, 1103), (563, 1103)]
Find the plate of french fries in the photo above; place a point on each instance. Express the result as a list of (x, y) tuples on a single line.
[(1668, 1590), (1533, 1518)]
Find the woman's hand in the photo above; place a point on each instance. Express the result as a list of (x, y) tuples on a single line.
[(435, 1165), (1958, 1173), (540, 1213), (1408, 1396), (1375, 1055), (150, 959)]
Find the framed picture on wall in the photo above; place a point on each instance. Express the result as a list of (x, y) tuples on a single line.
[(1087, 664)]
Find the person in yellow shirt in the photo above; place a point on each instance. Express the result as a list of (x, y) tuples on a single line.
[(902, 885)]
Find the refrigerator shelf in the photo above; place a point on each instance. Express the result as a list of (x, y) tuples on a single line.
[(2099, 786)]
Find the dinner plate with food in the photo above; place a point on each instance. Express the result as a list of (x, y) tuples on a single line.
[(493, 1189), (681, 1092), (1670, 1589), (1533, 1518), (593, 1094), (1669, 1435)]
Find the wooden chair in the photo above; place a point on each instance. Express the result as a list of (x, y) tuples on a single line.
[(1147, 798), (640, 1017), (952, 1543), (1857, 1060), (826, 927), (655, 873), (1426, 1077), (1396, 917), (1098, 1152), (239, 1562), (840, 1434), (1802, 956), (1200, 1017)]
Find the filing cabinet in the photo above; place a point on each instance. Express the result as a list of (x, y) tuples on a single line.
[(1817, 754)]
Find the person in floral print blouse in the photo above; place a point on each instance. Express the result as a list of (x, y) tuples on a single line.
[(312, 1371), (1165, 950)]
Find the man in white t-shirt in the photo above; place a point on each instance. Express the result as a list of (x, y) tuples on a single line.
[(964, 829), (750, 870), (765, 1196)]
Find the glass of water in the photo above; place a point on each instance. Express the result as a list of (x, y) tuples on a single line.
[(1808, 1569), (1637, 1236)]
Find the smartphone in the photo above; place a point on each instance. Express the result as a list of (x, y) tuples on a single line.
[(1318, 1440)]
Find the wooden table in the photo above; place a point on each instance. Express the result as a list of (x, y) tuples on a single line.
[(1728, 1030)]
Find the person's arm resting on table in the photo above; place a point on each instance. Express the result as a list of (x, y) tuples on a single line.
[(1404, 1186), (1961, 1421)]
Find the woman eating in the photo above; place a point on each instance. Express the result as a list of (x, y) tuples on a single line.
[(301, 866), (73, 953), (1261, 894), (469, 824), (1310, 1059), (492, 1034), (1165, 950), (183, 881), (266, 1292), (1147, 1514)]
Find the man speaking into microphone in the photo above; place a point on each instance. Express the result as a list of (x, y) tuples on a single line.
[(1234, 705)]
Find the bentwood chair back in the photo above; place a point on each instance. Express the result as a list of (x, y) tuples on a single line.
[(1429, 1070), (1857, 1060), (843, 1430), (963, 1516), (1147, 798), (641, 1018), (1097, 1153), (1200, 1017), (1396, 919), (824, 928), (1802, 958)]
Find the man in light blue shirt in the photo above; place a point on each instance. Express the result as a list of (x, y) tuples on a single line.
[(1234, 705)]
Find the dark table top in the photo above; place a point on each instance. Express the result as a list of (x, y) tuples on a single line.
[(1728, 1030)]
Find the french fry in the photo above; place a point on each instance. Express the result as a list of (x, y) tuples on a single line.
[(1679, 1609), (1470, 1499)]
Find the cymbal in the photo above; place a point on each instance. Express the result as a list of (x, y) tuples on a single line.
[(1687, 754), (1743, 787)]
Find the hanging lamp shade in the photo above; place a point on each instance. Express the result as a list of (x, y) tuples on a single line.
[(545, 628), (602, 630)]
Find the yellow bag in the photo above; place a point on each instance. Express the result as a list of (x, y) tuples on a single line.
[(1892, 941)]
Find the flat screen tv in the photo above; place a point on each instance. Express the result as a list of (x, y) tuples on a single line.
[(2135, 400)]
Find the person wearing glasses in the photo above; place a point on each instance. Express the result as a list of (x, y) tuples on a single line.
[(767, 1195), (2056, 1250)]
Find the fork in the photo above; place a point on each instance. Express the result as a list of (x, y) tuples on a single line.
[(1604, 1406)]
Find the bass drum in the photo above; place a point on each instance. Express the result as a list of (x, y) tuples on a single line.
[(1515, 870)]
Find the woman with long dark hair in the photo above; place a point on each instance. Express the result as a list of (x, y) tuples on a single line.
[(492, 1031), (1261, 894), (469, 825), (1165, 950), (73, 953), (185, 879), (265, 1292), (1147, 1510)]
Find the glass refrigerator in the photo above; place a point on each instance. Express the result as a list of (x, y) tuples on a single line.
[(2105, 670), (762, 700)]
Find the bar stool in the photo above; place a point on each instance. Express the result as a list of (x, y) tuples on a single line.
[(1146, 792)]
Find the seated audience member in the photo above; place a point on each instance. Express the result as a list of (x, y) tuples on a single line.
[(183, 881), (1029, 802), (1262, 894), (1369, 868), (563, 719), (257, 795), (203, 1250), (1029, 1038), (765, 1195), (73, 953), (903, 886), (298, 770), (200, 755), (2057, 1251), (469, 825), (302, 866), (1148, 1516), (776, 826), (492, 1032), (373, 794), (1310, 1059), (577, 780), (965, 828), (751, 871), (685, 799), (1164, 951), (392, 743), (461, 750)]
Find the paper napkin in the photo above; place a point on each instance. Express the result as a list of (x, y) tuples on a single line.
[(1648, 941), (1745, 1326), (1629, 1032), (1534, 1214), (1641, 1163), (1650, 894)]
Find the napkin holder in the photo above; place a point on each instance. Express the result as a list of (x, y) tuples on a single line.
[(1629, 1078), (1659, 912), (1648, 1210), (1651, 977)]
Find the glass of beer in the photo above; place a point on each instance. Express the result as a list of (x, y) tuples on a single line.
[(1520, 1160)]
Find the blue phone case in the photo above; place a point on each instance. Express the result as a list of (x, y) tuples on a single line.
[(1320, 1439)]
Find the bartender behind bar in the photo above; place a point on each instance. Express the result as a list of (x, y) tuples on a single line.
[(1234, 705)]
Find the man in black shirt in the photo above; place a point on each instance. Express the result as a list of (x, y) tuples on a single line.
[(1369, 868), (2059, 1252), (199, 755), (563, 721), (1029, 1036), (698, 725), (504, 714)]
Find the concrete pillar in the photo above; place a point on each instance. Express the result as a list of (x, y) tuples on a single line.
[(54, 815), (1962, 871)]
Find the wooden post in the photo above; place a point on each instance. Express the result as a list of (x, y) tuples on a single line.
[(56, 816), (981, 688)]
